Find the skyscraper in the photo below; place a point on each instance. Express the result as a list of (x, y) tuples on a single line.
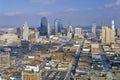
[(113, 31), (94, 29), (44, 27), (118, 32), (36, 34), (78, 31), (70, 29), (49, 31), (70, 32), (57, 26), (19, 32), (108, 34), (25, 31), (113, 25)]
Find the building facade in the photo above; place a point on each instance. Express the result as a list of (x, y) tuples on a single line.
[(44, 27), (57, 26), (25, 31), (30, 75), (78, 31), (94, 29), (108, 34), (4, 59), (118, 32)]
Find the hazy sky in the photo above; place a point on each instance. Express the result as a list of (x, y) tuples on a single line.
[(74, 12)]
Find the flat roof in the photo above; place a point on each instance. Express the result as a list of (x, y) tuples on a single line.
[(53, 75)]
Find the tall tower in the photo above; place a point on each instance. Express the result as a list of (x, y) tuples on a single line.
[(94, 29), (57, 26), (70, 29), (108, 34), (78, 31), (36, 34), (25, 31), (118, 32), (44, 27), (113, 32), (49, 29), (113, 24)]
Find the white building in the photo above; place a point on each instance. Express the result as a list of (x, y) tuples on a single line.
[(69, 35), (49, 29), (37, 35), (78, 31), (25, 31), (113, 25), (9, 38), (30, 68), (70, 29), (94, 29), (113, 32)]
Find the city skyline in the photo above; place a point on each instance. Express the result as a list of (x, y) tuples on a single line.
[(78, 12)]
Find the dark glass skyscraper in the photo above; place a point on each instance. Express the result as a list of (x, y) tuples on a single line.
[(57, 26), (44, 27)]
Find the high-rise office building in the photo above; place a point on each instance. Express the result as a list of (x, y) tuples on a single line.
[(49, 30), (25, 31), (57, 26), (103, 33), (78, 31), (70, 32), (118, 32), (36, 35), (44, 27), (113, 25), (94, 29), (70, 29), (108, 34), (19, 32), (113, 31)]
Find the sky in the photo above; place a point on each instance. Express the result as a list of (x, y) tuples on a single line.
[(71, 12)]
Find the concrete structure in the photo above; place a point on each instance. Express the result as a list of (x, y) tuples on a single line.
[(70, 29), (78, 31), (58, 26), (95, 48), (30, 75), (44, 27), (94, 29), (108, 34), (113, 25), (4, 59), (49, 30), (118, 32), (69, 35), (9, 38), (25, 31)]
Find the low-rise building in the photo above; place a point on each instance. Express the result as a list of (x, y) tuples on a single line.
[(4, 59), (95, 48)]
